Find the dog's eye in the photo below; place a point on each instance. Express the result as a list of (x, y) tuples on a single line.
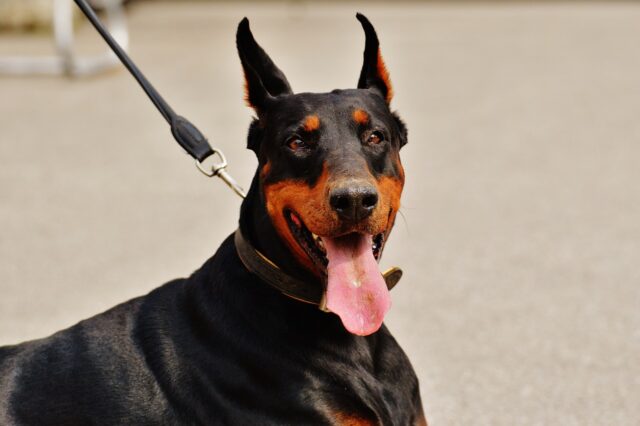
[(295, 143), (375, 138)]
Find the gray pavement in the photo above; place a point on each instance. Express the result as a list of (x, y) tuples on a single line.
[(520, 235)]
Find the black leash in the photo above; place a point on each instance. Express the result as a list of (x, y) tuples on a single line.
[(184, 132)]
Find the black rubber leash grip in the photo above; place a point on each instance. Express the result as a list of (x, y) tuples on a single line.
[(190, 138)]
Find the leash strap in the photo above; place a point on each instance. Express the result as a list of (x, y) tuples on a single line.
[(184, 132)]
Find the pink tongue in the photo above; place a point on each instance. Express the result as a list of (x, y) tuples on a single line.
[(356, 291)]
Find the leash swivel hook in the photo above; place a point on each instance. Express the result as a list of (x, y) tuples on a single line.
[(218, 169)]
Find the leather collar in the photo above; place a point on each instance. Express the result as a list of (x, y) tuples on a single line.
[(265, 269)]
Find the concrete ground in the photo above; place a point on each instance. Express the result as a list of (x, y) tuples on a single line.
[(520, 236)]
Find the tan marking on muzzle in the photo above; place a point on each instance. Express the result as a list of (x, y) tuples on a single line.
[(308, 202), (311, 204)]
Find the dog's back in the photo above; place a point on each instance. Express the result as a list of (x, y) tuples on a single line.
[(92, 370)]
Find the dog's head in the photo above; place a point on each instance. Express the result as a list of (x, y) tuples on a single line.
[(330, 175)]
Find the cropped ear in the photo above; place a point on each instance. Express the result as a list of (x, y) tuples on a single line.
[(374, 73), (263, 80)]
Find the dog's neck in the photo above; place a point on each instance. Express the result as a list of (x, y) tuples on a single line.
[(257, 227)]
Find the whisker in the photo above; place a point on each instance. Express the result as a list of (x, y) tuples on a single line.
[(404, 220)]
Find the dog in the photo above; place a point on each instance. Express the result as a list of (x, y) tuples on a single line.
[(235, 343)]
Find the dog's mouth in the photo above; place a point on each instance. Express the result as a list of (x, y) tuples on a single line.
[(314, 246), (355, 289)]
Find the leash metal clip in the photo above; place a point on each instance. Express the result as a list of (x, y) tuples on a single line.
[(218, 169)]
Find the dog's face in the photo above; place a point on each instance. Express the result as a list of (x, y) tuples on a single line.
[(330, 166), (330, 175)]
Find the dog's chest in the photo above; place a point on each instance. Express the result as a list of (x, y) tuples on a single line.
[(358, 395), (361, 384), (343, 386)]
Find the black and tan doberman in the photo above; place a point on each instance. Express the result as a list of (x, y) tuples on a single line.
[(237, 343)]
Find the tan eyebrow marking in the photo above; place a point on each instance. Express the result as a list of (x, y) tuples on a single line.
[(311, 123), (360, 116)]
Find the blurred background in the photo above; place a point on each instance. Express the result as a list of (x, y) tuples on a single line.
[(520, 233)]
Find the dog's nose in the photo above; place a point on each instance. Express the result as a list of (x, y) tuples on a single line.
[(354, 202)]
